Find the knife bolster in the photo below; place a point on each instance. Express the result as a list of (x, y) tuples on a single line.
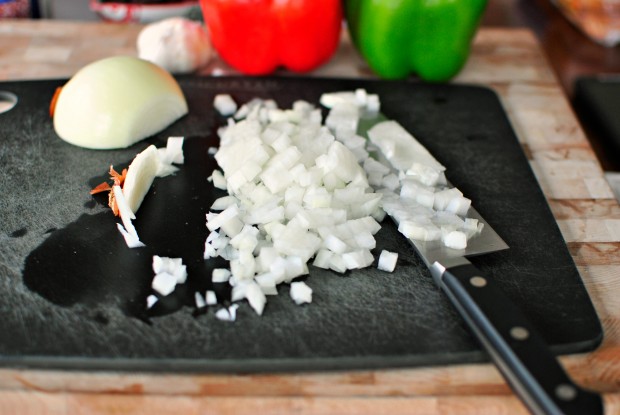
[(438, 270)]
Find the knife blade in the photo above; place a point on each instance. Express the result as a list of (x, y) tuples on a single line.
[(512, 342)]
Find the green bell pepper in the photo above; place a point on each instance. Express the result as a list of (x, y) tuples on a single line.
[(431, 38)]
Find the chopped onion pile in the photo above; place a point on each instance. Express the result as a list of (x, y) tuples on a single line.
[(423, 204), (295, 192), (301, 191), (415, 191)]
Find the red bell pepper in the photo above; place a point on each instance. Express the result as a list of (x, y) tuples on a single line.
[(257, 36)]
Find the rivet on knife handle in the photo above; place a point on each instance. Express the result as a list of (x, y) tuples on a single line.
[(513, 343)]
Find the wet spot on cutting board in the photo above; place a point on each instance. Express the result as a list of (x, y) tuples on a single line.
[(87, 262), (100, 317), (476, 137), (19, 233), (90, 204), (440, 99)]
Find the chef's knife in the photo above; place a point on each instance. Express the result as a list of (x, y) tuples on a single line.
[(512, 342)]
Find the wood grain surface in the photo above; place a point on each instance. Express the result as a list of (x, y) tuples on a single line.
[(508, 60)]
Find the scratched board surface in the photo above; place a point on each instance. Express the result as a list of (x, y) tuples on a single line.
[(73, 295)]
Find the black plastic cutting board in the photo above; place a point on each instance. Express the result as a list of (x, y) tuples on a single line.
[(73, 296)]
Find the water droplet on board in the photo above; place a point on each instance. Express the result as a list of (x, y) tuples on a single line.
[(90, 204), (19, 233)]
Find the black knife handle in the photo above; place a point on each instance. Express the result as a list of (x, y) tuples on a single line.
[(517, 349)]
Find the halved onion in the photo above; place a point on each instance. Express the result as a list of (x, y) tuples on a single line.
[(117, 101)]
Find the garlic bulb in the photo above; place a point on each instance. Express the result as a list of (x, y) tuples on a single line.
[(176, 44)]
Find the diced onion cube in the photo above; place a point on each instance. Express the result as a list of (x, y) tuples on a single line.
[(372, 103), (322, 259), (224, 104), (387, 261), (223, 202), (151, 300), (358, 259), (267, 283), (227, 314), (218, 180), (210, 297), (337, 263), (164, 283), (455, 240), (173, 152), (300, 293), (255, 296), (200, 300), (220, 275)]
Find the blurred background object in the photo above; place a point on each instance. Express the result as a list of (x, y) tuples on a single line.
[(573, 55), (598, 19), (65, 10), (429, 39), (120, 11), (14, 8), (177, 44), (259, 36), (146, 11)]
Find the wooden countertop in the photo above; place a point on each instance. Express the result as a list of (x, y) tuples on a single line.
[(508, 60), (571, 53)]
